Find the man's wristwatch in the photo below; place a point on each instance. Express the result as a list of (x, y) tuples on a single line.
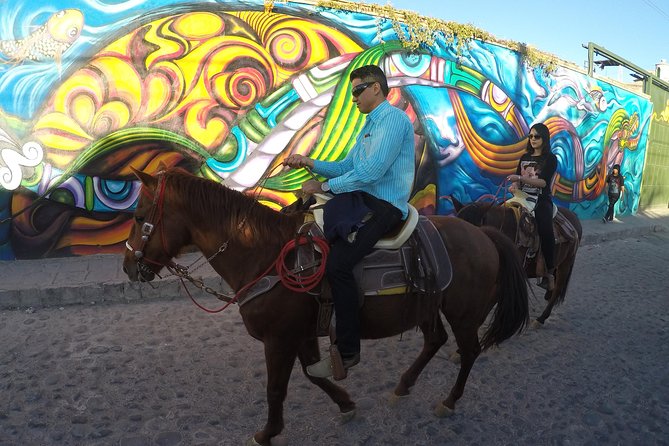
[(325, 187)]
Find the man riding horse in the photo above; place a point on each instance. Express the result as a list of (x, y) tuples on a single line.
[(375, 178)]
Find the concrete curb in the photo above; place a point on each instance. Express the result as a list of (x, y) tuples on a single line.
[(109, 292), (125, 292)]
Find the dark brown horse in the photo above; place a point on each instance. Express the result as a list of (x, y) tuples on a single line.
[(504, 218), (241, 237)]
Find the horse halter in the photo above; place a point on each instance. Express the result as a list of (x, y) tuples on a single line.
[(147, 226)]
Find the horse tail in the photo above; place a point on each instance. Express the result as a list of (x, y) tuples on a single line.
[(560, 297), (575, 222), (512, 310)]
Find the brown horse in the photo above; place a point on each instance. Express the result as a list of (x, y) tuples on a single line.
[(503, 218), (241, 237)]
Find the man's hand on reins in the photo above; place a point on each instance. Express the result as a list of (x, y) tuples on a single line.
[(296, 161)]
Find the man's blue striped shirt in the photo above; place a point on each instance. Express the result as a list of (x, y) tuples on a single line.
[(381, 162)]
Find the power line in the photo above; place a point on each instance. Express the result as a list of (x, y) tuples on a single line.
[(657, 8)]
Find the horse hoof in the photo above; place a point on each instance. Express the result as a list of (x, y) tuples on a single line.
[(535, 324), (345, 417), (252, 442), (394, 399), (442, 411), (455, 358)]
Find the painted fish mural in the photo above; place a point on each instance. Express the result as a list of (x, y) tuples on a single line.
[(227, 92), (48, 42)]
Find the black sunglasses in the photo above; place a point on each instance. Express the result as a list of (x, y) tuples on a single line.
[(358, 89), (531, 136)]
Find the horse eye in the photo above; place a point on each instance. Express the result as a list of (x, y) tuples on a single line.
[(139, 219)]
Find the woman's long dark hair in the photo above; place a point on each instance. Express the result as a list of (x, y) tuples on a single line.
[(542, 130)]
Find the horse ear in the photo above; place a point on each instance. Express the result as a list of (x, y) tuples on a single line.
[(144, 177), (456, 204), (162, 167)]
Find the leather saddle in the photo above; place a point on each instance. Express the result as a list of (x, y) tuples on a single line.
[(526, 231), (412, 258), (406, 259), (527, 236)]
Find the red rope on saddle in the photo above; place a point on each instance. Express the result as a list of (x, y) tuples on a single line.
[(296, 282), (290, 280)]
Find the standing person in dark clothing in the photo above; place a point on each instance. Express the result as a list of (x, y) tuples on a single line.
[(534, 176), (616, 187), (377, 175)]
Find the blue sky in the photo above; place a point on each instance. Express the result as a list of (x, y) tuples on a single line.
[(637, 30)]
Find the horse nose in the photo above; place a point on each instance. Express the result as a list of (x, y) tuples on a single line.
[(125, 270)]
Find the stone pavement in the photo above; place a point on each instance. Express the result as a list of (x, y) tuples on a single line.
[(99, 278)]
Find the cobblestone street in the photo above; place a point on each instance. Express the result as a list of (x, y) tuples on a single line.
[(164, 373)]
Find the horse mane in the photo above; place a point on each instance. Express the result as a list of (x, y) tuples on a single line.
[(223, 208)]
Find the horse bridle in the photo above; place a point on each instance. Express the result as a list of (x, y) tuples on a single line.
[(148, 227), (146, 231)]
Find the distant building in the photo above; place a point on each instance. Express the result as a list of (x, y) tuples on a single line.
[(662, 70)]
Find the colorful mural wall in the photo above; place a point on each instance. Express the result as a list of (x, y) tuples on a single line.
[(227, 89)]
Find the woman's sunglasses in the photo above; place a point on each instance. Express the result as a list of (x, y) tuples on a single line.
[(531, 136), (358, 89)]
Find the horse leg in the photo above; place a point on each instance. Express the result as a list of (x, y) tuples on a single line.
[(551, 300), (309, 354), (468, 344), (280, 359), (434, 336), (550, 297), (562, 276)]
